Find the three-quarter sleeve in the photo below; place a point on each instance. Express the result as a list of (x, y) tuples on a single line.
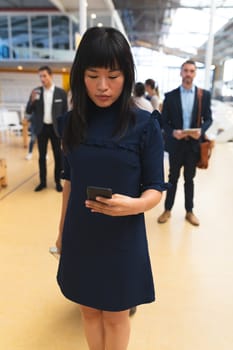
[(152, 157)]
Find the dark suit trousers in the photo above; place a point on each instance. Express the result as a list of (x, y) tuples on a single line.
[(183, 157), (47, 134)]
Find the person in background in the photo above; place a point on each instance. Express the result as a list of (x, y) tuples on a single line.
[(153, 93), (180, 110), (139, 97), (104, 264), (32, 136), (47, 103)]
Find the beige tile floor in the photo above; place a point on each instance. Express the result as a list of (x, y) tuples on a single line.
[(192, 266)]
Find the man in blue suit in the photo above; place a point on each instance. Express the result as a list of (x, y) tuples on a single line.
[(47, 103), (180, 111)]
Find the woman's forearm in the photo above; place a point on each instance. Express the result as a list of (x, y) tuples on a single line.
[(65, 198), (148, 200)]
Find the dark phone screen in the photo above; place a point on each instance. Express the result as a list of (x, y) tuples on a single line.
[(94, 191)]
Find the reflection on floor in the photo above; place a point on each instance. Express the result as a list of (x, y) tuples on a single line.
[(192, 266)]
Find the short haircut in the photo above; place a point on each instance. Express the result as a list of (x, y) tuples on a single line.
[(47, 68), (189, 62), (139, 89)]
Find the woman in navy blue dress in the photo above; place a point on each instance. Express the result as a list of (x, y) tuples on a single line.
[(107, 142)]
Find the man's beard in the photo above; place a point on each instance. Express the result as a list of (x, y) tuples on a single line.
[(187, 80)]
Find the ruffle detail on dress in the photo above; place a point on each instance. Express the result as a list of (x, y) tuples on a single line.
[(112, 145)]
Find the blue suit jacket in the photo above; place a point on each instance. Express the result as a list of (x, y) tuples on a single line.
[(172, 118)]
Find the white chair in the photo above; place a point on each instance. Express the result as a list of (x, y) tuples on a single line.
[(11, 119), (3, 125)]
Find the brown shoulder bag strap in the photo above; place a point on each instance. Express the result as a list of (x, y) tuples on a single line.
[(199, 105)]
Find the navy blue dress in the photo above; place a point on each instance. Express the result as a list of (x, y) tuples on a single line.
[(104, 262)]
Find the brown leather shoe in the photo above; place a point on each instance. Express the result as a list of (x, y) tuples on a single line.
[(192, 219), (164, 217)]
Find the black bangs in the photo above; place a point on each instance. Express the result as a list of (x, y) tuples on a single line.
[(103, 51), (105, 57)]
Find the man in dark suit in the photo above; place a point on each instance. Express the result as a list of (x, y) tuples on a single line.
[(180, 111), (47, 103)]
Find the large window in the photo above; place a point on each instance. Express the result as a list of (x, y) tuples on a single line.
[(20, 36), (37, 36), (60, 32), (40, 37), (4, 42)]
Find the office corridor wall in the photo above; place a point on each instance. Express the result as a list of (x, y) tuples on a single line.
[(15, 87)]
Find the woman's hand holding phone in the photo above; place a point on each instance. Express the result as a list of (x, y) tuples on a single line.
[(122, 205), (118, 205)]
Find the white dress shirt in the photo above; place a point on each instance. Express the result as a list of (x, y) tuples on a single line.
[(48, 102)]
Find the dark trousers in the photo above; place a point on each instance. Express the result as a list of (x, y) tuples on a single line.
[(185, 157), (32, 139), (47, 134)]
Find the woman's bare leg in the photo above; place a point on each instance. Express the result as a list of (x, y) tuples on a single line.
[(116, 330), (93, 327)]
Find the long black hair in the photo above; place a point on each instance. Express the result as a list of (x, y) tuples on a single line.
[(101, 47)]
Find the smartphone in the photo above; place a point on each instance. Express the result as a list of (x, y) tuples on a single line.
[(95, 191), (54, 251)]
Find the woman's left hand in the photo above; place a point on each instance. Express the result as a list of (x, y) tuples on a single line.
[(118, 205)]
